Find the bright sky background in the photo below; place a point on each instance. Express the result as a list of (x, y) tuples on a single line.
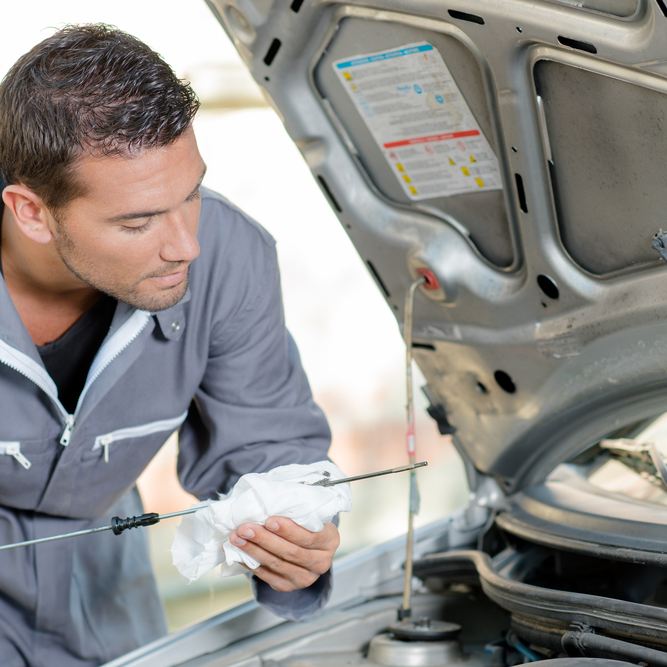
[(181, 30)]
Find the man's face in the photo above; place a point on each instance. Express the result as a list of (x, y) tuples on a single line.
[(133, 234)]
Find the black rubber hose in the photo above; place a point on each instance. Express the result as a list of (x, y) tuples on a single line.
[(592, 645)]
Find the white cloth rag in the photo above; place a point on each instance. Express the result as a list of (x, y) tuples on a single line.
[(202, 539)]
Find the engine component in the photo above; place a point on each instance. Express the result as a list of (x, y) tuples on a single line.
[(387, 649), (424, 629)]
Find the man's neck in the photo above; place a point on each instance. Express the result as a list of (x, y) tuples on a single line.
[(46, 298)]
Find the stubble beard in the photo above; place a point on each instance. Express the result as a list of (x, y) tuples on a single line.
[(80, 268)]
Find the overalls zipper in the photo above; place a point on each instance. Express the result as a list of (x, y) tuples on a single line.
[(105, 440), (30, 369), (14, 449)]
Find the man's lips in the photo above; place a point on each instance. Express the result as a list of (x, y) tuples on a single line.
[(172, 278)]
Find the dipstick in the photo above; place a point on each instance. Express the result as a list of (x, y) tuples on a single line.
[(119, 524)]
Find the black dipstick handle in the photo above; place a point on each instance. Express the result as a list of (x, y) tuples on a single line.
[(118, 524)]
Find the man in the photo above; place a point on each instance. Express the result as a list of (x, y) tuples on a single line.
[(133, 302)]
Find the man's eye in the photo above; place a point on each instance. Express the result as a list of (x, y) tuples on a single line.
[(194, 195), (138, 228)]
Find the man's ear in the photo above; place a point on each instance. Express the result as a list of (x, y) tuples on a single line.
[(29, 211)]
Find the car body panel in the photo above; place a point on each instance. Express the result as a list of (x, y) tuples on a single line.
[(551, 306)]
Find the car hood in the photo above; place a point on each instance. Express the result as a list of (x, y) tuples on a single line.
[(514, 151)]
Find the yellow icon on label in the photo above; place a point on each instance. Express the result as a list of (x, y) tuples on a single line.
[(400, 167), (413, 190), (473, 159), (407, 179), (452, 162), (348, 76), (479, 181), (466, 171)]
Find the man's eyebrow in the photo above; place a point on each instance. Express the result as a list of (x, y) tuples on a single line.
[(149, 214), (199, 182)]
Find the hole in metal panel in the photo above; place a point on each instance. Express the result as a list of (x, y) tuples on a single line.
[(519, 28), (505, 382), (430, 281), (521, 193), (548, 286), (577, 44), (272, 52), (423, 346), (329, 194), (464, 16), (296, 5), (663, 6), (481, 388), (515, 149), (378, 280)]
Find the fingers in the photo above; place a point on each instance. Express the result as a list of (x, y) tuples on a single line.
[(328, 538), (273, 550), (290, 556), (281, 575)]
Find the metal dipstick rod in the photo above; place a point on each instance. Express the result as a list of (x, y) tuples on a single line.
[(390, 471), (120, 524), (413, 504)]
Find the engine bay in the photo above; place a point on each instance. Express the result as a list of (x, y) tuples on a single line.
[(508, 603)]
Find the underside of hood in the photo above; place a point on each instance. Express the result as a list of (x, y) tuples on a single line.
[(516, 150)]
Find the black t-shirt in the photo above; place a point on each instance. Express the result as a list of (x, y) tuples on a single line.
[(68, 358)]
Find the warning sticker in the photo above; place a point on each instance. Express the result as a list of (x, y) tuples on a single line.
[(421, 121)]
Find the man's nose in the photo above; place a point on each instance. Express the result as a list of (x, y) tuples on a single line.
[(180, 242)]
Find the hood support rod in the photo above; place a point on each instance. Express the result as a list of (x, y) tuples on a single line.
[(413, 504)]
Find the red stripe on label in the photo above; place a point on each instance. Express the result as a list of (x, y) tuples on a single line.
[(433, 137)]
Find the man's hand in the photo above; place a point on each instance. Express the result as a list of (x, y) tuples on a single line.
[(290, 556)]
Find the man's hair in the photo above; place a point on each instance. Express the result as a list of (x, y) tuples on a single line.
[(87, 89)]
